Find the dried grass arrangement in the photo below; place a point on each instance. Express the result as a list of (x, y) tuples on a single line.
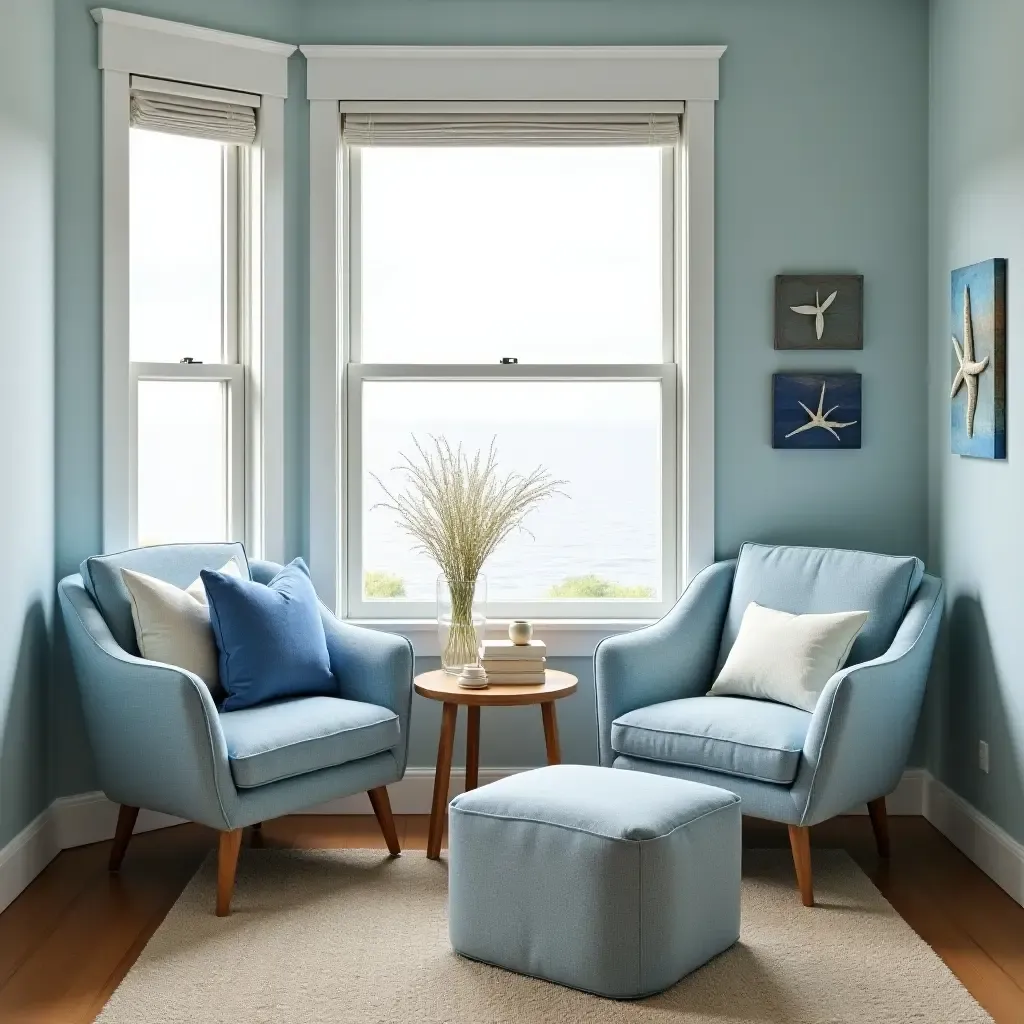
[(458, 508)]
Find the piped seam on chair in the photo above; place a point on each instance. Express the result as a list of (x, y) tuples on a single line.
[(313, 739), (309, 771), (846, 675), (717, 739), (639, 914), (705, 768), (591, 832), (167, 668)]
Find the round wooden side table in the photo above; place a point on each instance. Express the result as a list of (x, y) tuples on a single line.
[(443, 687)]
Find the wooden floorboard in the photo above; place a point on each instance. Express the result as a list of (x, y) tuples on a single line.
[(69, 939)]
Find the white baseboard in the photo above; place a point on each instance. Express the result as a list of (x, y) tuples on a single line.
[(413, 793), (90, 818), (907, 797), (69, 821), (25, 856), (995, 851)]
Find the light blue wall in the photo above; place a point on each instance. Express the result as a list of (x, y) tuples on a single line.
[(821, 160), (822, 148), (79, 319), (977, 507), (26, 404)]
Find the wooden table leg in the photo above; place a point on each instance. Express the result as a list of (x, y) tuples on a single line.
[(547, 709), (473, 748), (442, 778)]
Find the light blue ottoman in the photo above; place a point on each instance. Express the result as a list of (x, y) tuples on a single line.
[(617, 883)]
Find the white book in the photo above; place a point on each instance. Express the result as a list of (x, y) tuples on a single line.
[(516, 679), (508, 665), (535, 650)]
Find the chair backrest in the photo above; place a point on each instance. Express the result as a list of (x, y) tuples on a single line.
[(799, 580), (173, 563)]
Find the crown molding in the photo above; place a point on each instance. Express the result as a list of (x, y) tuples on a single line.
[(528, 74), (138, 44)]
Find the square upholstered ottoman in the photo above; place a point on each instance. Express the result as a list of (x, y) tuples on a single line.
[(618, 883)]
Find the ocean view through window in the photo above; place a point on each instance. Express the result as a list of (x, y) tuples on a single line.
[(561, 258)]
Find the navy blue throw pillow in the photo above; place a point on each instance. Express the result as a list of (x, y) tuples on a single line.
[(270, 639)]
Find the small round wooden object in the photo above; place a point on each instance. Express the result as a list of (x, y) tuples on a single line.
[(443, 687)]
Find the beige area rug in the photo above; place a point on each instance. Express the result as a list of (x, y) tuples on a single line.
[(353, 937)]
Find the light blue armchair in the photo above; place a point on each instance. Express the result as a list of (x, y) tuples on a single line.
[(159, 740), (785, 764)]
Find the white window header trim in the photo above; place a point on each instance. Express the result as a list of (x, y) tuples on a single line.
[(511, 74), (137, 44)]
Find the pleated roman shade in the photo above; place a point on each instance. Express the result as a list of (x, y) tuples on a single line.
[(512, 130), (198, 112)]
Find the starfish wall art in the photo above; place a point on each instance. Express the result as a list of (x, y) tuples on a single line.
[(978, 392), (816, 410), (819, 311)]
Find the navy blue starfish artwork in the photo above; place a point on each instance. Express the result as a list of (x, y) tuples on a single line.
[(816, 410)]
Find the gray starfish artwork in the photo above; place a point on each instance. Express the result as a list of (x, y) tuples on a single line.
[(817, 311)]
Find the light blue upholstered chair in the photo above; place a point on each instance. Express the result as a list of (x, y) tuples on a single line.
[(159, 740), (787, 765)]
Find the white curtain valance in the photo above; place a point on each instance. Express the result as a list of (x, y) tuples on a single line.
[(512, 130), (196, 112)]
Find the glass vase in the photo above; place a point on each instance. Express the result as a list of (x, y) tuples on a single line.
[(461, 618)]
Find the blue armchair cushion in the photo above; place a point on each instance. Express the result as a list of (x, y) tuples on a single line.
[(293, 737), (178, 564), (754, 739), (270, 639), (800, 580)]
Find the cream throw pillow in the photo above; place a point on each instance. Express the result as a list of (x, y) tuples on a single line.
[(787, 658), (173, 625)]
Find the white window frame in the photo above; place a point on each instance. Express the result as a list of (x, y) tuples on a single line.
[(489, 80), (132, 44)]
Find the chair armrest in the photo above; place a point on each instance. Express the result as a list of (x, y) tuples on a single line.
[(670, 659), (864, 722), (154, 729), (372, 667)]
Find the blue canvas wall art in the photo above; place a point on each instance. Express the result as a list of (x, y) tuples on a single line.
[(814, 410), (978, 394)]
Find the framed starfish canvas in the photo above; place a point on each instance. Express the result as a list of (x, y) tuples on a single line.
[(816, 410), (978, 393)]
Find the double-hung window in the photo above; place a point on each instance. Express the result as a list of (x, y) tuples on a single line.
[(190, 314), (515, 280)]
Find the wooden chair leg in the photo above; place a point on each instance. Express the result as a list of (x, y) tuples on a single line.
[(880, 825), (554, 751), (800, 843), (442, 780), (227, 863), (382, 808), (122, 835)]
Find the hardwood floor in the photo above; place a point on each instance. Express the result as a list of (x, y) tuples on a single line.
[(70, 938)]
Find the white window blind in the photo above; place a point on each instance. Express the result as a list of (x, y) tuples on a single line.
[(200, 113), (512, 130)]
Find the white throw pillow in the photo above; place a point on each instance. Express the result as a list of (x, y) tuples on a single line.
[(787, 658), (173, 625)]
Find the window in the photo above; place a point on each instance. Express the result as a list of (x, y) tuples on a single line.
[(193, 284), (551, 242), (189, 261)]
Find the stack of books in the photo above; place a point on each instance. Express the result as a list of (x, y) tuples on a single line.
[(509, 664)]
